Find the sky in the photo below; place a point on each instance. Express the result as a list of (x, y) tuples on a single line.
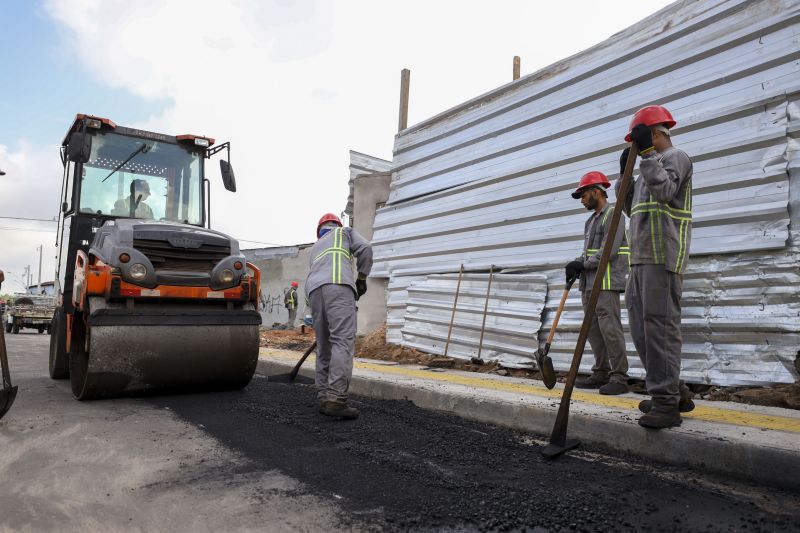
[(293, 85)]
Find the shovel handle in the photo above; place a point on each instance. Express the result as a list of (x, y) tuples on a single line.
[(558, 313), (302, 360)]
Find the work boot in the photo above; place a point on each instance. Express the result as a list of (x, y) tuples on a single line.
[(613, 388), (685, 403), (339, 410), (595, 381), (660, 419)]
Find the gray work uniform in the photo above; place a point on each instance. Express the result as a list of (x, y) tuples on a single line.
[(290, 301), (331, 290), (605, 334), (660, 211)]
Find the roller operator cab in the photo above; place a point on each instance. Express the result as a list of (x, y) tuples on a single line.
[(150, 298)]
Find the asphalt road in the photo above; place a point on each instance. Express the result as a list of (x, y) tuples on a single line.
[(264, 459)]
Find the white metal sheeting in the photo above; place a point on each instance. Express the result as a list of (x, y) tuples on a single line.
[(488, 181), (513, 316), (361, 164)]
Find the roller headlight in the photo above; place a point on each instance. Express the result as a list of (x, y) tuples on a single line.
[(226, 276), (138, 272)]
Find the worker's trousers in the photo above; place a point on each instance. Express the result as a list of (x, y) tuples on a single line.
[(333, 307), (606, 337), (653, 299), (292, 317)]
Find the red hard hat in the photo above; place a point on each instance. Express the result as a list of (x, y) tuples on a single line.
[(651, 115), (328, 217), (295, 284), (591, 178)]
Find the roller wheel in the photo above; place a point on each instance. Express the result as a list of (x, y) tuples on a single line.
[(59, 358), (79, 359)]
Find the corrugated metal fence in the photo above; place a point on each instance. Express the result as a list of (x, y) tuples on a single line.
[(487, 182)]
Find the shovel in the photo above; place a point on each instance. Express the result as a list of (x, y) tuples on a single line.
[(8, 393), (542, 359), (558, 438), (290, 377)]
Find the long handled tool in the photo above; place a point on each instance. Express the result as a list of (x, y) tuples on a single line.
[(290, 377), (542, 358), (558, 439), (477, 360), (453, 315), (8, 393)]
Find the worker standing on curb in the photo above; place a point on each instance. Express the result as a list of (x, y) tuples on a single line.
[(659, 206), (332, 290), (610, 369), (290, 302)]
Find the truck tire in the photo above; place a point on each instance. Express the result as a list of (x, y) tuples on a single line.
[(15, 329), (8, 327), (40, 329), (59, 358)]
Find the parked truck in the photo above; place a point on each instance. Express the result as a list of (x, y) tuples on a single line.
[(29, 311)]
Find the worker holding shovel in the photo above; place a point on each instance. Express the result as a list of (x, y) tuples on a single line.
[(610, 369), (660, 210)]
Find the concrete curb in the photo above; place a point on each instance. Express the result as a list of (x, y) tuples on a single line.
[(694, 448)]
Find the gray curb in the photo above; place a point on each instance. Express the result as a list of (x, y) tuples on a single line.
[(757, 463)]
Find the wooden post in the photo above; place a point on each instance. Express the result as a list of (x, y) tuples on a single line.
[(405, 82), (453, 316), (516, 67), (485, 309)]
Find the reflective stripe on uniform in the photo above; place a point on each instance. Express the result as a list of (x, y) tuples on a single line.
[(339, 254)]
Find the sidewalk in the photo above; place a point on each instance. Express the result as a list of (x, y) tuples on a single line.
[(760, 444)]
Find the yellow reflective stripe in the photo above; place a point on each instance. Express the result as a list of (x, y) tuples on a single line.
[(663, 206), (662, 211)]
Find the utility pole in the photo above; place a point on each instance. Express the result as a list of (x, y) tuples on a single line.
[(39, 282), (27, 278), (516, 67), (405, 82)]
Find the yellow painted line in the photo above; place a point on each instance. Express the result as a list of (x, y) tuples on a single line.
[(710, 414)]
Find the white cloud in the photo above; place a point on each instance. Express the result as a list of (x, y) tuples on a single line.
[(295, 85)]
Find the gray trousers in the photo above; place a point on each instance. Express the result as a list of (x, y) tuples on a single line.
[(292, 317), (334, 310), (653, 299), (606, 337)]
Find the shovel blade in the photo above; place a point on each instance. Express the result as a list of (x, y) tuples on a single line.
[(551, 451), (7, 397), (546, 368)]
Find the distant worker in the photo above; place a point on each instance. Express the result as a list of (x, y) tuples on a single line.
[(141, 192), (332, 290), (660, 210), (290, 302), (610, 369)]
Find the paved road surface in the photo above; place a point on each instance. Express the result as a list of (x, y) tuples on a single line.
[(263, 458)]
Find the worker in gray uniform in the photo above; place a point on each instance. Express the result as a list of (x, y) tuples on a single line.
[(290, 302), (660, 210), (332, 290), (610, 369)]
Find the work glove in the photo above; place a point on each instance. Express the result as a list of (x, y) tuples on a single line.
[(643, 138), (623, 160), (361, 287), (573, 270)]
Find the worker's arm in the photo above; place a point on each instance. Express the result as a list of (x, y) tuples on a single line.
[(665, 175), (591, 262), (360, 247), (627, 202)]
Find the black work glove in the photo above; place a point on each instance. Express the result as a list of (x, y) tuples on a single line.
[(623, 160), (643, 138), (573, 270), (361, 287)]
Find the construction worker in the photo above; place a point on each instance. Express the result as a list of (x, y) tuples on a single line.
[(332, 290), (660, 210), (290, 302), (610, 369), (141, 192)]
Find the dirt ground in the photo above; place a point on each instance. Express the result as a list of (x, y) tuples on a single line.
[(374, 346)]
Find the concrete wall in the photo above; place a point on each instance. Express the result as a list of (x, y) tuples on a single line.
[(279, 267), (370, 192)]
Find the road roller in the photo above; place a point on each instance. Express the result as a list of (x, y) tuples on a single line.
[(150, 298)]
